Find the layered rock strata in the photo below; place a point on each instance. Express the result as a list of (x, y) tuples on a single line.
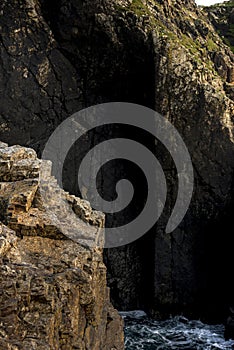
[(53, 292)]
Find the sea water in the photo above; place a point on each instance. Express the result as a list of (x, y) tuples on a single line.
[(177, 333)]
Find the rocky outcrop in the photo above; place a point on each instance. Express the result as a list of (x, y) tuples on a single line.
[(222, 17), (59, 58), (53, 292)]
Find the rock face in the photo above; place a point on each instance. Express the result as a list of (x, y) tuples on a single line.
[(222, 17), (53, 292), (59, 58)]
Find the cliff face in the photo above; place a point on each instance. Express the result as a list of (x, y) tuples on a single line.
[(53, 292), (59, 58), (222, 17)]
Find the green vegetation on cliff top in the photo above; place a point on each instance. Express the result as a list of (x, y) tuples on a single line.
[(194, 47), (222, 16)]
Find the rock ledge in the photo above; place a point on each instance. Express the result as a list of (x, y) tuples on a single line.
[(53, 292)]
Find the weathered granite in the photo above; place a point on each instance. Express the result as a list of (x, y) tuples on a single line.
[(53, 292), (221, 16)]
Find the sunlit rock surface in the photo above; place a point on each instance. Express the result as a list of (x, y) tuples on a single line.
[(53, 292)]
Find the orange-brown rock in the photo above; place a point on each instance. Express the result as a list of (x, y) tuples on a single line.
[(53, 292)]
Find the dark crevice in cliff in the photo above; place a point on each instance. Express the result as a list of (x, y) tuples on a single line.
[(137, 258)]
